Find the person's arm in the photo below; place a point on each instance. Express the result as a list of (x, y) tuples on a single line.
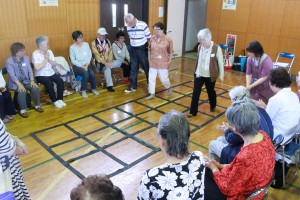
[(272, 108), (171, 50), (7, 144), (233, 138), (115, 52), (249, 71), (257, 82), (73, 57), (127, 55), (37, 63), (89, 54), (220, 63), (10, 70), (98, 57)]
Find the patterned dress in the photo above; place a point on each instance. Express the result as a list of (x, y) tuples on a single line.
[(175, 181), (251, 169), (7, 149)]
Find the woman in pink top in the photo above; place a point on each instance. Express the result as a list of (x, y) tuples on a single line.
[(259, 66), (160, 51)]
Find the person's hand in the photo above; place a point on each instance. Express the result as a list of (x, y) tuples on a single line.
[(21, 148), (47, 56), (169, 61), (33, 84), (85, 67), (211, 164), (259, 103), (107, 65), (21, 88), (249, 87), (3, 89), (223, 127), (126, 63)]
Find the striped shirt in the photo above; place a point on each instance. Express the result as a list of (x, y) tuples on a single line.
[(139, 34), (7, 144)]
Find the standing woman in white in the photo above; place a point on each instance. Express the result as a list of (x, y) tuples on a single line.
[(160, 51)]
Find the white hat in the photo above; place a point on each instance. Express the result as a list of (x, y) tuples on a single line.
[(102, 31)]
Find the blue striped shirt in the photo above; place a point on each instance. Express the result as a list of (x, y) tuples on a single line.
[(139, 34)]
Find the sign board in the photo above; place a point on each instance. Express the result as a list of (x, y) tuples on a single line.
[(229, 4)]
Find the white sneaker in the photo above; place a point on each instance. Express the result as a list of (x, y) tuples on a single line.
[(62, 103), (57, 104), (151, 96), (95, 92), (84, 95)]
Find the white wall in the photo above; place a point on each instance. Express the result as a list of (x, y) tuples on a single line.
[(196, 19), (175, 23)]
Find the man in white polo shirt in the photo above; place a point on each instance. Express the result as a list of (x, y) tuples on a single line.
[(139, 35)]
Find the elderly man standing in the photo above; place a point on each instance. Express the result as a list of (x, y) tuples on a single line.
[(139, 34)]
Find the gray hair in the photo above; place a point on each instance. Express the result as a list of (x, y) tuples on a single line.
[(244, 116), (204, 34), (175, 129), (238, 93), (40, 39), (129, 16)]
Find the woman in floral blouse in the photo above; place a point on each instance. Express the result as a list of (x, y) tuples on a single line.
[(183, 176)]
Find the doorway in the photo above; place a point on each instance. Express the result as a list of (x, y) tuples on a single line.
[(112, 15), (195, 20)]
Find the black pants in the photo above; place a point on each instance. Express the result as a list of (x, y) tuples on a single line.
[(126, 70), (210, 87), (47, 81), (6, 105)]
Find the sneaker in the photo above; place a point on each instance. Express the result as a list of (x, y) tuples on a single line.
[(84, 95), (151, 96), (95, 92), (57, 104), (190, 115), (110, 89), (62, 103), (10, 117), (170, 90), (130, 90)]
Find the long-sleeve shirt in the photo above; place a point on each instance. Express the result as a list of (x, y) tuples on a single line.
[(100, 57), (2, 81), (80, 56), (251, 169), (14, 71), (120, 52), (7, 144)]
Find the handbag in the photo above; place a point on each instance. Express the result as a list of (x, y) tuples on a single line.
[(239, 62), (6, 189)]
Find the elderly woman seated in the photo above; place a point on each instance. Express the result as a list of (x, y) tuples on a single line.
[(96, 187), (184, 175), (283, 108), (21, 78), (7, 109), (225, 148), (44, 62), (253, 167)]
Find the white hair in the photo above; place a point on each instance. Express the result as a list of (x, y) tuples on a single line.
[(129, 16), (204, 34), (239, 93), (40, 39)]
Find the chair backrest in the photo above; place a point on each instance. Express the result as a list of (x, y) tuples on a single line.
[(4, 70), (284, 56)]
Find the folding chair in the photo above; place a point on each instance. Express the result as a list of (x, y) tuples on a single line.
[(263, 190), (284, 56), (289, 152), (174, 68)]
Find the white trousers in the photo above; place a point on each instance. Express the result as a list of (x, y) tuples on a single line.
[(216, 146), (163, 75)]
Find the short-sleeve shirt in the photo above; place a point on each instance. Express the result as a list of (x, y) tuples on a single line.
[(171, 181), (139, 34), (160, 49), (47, 69), (259, 69)]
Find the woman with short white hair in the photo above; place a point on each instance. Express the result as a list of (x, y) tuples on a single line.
[(208, 66), (44, 62)]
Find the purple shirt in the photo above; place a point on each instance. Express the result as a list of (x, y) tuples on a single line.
[(262, 91), (14, 72)]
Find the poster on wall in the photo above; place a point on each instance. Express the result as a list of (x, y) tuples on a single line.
[(48, 2), (229, 4), (231, 41)]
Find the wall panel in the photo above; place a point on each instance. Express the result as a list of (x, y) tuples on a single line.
[(213, 13), (291, 25), (153, 13), (266, 17)]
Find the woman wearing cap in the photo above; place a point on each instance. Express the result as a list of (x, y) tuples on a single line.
[(81, 55), (101, 48)]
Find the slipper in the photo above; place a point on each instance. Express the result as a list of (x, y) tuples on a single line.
[(10, 117), (66, 93), (6, 120)]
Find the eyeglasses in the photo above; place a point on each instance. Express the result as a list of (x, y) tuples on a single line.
[(156, 29)]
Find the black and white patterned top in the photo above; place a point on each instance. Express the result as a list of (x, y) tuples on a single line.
[(175, 181)]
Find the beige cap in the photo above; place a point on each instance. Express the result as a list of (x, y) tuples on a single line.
[(102, 31)]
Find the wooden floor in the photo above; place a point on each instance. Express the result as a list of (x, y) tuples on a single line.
[(115, 134)]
